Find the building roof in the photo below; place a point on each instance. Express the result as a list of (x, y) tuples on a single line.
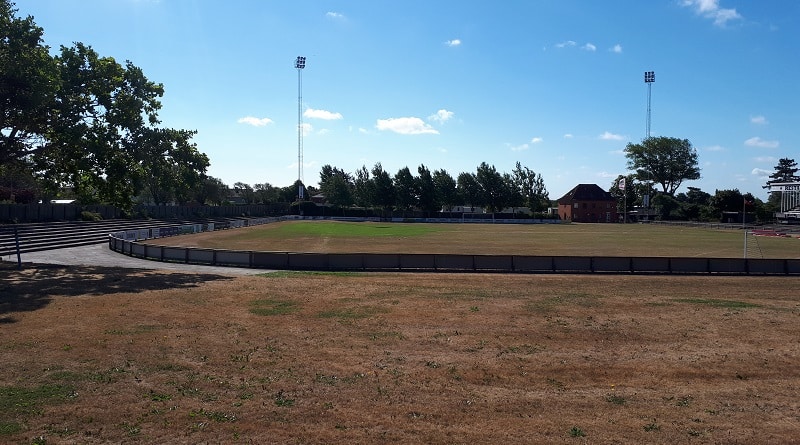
[(586, 192)]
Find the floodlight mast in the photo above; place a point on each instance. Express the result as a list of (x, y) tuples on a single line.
[(649, 78), (300, 63)]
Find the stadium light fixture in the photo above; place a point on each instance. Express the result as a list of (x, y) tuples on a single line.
[(649, 78), (299, 64)]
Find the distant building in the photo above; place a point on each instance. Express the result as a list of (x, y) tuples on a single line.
[(588, 203)]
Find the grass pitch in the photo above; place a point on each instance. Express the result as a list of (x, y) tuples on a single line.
[(499, 239)]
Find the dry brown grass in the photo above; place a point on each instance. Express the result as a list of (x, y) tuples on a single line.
[(94, 355)]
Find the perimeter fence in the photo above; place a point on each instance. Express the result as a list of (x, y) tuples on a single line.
[(130, 243)]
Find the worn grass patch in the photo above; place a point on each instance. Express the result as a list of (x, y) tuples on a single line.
[(353, 313), (295, 274), (273, 307), (580, 299), (19, 400), (728, 304)]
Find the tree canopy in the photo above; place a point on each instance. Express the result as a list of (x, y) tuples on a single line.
[(785, 171), (663, 160), (87, 123)]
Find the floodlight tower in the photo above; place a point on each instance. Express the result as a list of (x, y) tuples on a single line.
[(300, 63), (649, 78)]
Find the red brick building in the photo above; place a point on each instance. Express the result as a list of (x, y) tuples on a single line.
[(588, 203)]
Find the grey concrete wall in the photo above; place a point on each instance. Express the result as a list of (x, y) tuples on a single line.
[(233, 258), (201, 256)]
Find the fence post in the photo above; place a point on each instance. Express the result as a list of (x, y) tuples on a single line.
[(16, 243)]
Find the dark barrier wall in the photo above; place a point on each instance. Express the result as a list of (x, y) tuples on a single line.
[(26, 213), (23, 213), (455, 263)]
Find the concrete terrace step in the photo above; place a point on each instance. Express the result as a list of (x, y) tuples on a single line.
[(37, 237)]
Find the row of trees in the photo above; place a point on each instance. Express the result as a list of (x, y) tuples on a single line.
[(434, 191), (85, 123), (697, 205)]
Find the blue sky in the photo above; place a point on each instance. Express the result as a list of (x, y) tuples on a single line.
[(556, 85)]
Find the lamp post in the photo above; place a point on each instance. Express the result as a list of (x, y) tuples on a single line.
[(649, 78), (300, 63)]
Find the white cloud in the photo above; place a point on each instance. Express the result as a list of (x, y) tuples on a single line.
[(307, 128), (572, 44), (761, 143), (522, 147), (441, 116), (715, 148), (765, 159), (452, 43), (710, 9), (568, 136), (616, 49), (306, 165), (323, 132), (537, 140), (405, 125), (758, 120), (334, 15), (363, 130), (255, 121), (607, 175), (761, 173), (607, 136), (321, 114)]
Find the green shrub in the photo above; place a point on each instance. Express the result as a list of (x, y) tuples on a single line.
[(90, 216)]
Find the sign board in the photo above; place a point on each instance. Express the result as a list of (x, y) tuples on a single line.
[(785, 187)]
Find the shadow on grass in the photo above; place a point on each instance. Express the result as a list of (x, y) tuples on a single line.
[(35, 285)]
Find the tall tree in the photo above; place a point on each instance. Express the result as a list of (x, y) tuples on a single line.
[(514, 198), (446, 190), (785, 171), (336, 185), (173, 165), (383, 188), (664, 160), (405, 189), (245, 191), (210, 190), (493, 187), (29, 81), (101, 107), (531, 186), (289, 193), (266, 193), (363, 188), (694, 204), (426, 190), (729, 200), (470, 190), (87, 123)]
